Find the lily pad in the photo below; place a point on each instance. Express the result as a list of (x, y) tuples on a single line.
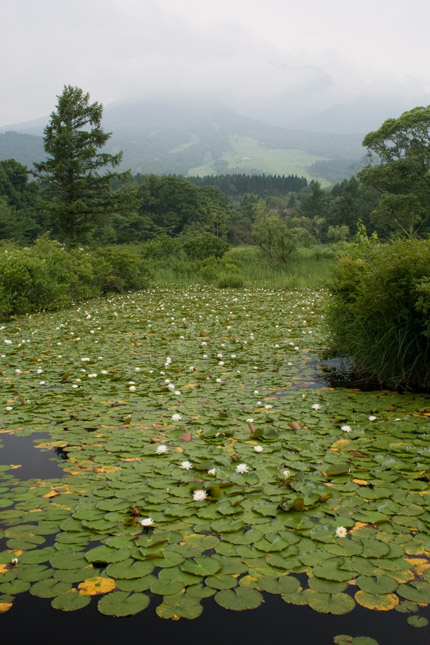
[(239, 599), (122, 603)]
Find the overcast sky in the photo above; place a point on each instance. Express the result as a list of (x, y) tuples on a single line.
[(294, 63)]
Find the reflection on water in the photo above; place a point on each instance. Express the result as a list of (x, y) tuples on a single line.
[(33, 461)]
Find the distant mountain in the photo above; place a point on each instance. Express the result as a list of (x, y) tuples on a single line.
[(25, 148), (200, 137)]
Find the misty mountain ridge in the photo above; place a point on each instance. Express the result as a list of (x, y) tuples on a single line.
[(200, 136)]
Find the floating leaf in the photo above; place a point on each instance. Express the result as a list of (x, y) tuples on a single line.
[(121, 603), (182, 606), (381, 602), (49, 588), (70, 601), (96, 585), (417, 621), (239, 599), (201, 566), (330, 603), (377, 585), (105, 554)]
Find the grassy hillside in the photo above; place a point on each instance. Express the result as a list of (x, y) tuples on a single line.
[(246, 155)]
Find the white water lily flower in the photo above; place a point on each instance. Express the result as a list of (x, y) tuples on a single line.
[(220, 362), (249, 420), (161, 449), (171, 386), (241, 468), (372, 418), (14, 561), (258, 448), (212, 472), (341, 532), (176, 416), (75, 386), (7, 341), (268, 407), (199, 495), (132, 388), (92, 375), (346, 428), (9, 408), (186, 465), (286, 474), (316, 406), (146, 521)]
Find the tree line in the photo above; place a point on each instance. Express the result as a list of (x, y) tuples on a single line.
[(77, 194)]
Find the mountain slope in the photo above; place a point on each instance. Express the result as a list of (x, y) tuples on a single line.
[(199, 136)]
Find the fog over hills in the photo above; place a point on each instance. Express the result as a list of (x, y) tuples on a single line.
[(195, 134)]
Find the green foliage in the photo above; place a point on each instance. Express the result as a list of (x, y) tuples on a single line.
[(271, 234), (230, 281), (204, 246), (168, 205), (47, 276), (119, 269), (379, 312), (402, 149), (77, 185)]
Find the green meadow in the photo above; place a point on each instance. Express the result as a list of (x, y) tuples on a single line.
[(245, 154)]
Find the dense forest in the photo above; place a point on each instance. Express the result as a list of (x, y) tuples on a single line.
[(223, 205)]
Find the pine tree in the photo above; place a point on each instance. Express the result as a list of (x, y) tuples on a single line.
[(75, 176)]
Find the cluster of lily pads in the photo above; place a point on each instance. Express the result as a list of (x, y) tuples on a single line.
[(202, 460)]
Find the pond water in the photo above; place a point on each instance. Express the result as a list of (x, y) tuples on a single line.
[(33, 462), (208, 416), (274, 620)]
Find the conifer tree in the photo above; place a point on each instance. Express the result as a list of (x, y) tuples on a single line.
[(76, 175)]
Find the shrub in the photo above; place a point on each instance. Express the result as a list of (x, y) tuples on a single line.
[(120, 269), (205, 246), (379, 312), (47, 276), (230, 281)]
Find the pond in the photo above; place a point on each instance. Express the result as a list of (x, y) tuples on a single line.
[(196, 475)]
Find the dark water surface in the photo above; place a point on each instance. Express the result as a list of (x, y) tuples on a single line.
[(33, 461), (32, 621)]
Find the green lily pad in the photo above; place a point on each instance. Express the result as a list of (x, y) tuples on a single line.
[(378, 584), (417, 621), (106, 554), (129, 569), (201, 566), (49, 588), (330, 603), (122, 603), (182, 606), (239, 599), (70, 601)]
